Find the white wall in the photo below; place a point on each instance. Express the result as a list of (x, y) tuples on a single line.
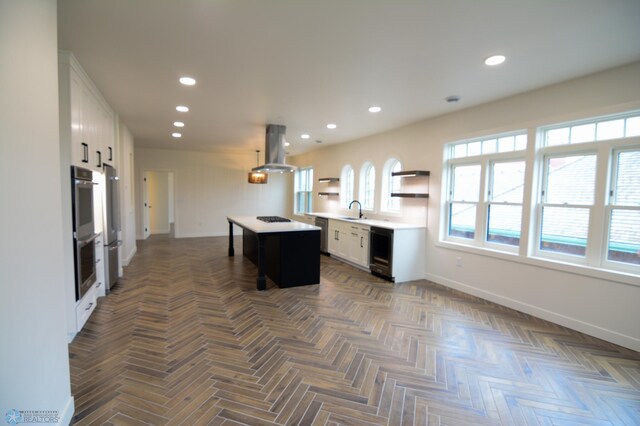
[(209, 187), (598, 306), (34, 365), (126, 167)]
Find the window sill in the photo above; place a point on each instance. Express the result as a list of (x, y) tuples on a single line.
[(587, 271)]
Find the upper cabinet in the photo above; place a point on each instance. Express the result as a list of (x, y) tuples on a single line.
[(87, 122)]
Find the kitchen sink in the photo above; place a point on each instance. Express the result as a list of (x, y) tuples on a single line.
[(349, 218)]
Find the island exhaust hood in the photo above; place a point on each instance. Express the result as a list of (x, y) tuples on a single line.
[(274, 151)]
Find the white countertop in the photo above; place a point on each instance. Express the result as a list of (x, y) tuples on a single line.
[(368, 222), (253, 224)]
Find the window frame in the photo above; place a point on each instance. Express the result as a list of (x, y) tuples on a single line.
[(600, 214), (560, 151), (596, 262), (482, 213), (363, 188), (305, 188), (610, 207), (347, 186), (388, 183), (489, 201)]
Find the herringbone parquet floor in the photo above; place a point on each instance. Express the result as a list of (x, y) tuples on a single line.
[(186, 339)]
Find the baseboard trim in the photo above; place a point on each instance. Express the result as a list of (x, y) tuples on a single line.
[(201, 234), (569, 322), (127, 259), (67, 412)]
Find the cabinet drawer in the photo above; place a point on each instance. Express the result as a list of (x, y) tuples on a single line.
[(85, 308)]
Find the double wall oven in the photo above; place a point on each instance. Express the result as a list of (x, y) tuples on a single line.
[(83, 229)]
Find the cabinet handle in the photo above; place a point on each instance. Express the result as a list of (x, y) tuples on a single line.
[(361, 240), (89, 307), (99, 158), (98, 261), (85, 152), (110, 154), (99, 284)]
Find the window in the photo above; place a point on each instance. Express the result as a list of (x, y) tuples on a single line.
[(486, 191), (303, 191), (506, 194), (566, 202), (346, 185), (367, 186), (489, 145), (623, 211), (463, 202), (584, 192), (390, 185), (595, 130)]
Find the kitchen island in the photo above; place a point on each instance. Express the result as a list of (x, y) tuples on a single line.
[(286, 252)]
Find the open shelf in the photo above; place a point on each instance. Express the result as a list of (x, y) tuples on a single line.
[(329, 179), (411, 173), (328, 194), (409, 195)]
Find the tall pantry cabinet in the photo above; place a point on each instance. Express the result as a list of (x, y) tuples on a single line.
[(92, 121), (88, 140)]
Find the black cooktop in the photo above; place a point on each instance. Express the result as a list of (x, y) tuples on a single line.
[(271, 219)]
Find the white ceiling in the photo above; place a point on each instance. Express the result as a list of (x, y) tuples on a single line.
[(305, 63)]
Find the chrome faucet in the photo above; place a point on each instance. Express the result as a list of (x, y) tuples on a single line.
[(359, 208)]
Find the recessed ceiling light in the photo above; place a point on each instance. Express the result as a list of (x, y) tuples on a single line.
[(331, 126), (178, 123), (187, 81), (176, 135), (375, 109), (495, 60), (305, 136), (182, 108), (287, 144)]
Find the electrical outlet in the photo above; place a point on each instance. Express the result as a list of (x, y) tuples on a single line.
[(459, 262)]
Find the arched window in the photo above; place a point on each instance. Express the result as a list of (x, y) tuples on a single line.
[(367, 185), (390, 185), (346, 185)]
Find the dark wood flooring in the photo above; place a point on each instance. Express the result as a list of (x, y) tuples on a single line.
[(185, 338)]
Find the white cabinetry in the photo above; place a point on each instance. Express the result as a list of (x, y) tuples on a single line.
[(338, 239), (87, 122), (349, 242), (85, 307), (359, 245)]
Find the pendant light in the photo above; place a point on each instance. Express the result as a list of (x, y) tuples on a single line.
[(258, 177)]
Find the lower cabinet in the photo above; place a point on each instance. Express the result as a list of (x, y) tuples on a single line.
[(100, 272), (85, 307), (349, 242)]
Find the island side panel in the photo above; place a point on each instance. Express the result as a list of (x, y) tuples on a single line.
[(250, 245), (299, 258)]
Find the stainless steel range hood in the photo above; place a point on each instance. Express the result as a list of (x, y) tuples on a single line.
[(274, 151)]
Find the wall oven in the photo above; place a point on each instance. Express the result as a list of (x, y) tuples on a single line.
[(83, 229), (381, 252)]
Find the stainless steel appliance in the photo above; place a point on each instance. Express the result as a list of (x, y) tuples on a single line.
[(112, 226), (323, 224), (381, 252), (83, 229)]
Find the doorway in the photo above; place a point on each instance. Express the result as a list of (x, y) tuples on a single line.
[(158, 203)]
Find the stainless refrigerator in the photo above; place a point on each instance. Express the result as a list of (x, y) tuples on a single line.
[(112, 226)]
